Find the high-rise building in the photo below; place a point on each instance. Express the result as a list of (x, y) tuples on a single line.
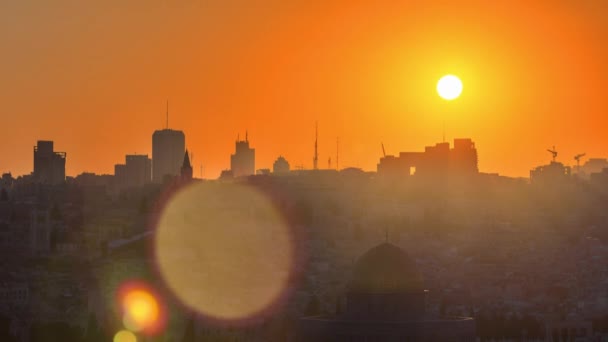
[(135, 172), (49, 166), (552, 174), (242, 162), (168, 147)]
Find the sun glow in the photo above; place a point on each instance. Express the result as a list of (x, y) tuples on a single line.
[(449, 87)]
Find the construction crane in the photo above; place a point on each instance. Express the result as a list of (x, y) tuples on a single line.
[(383, 151), (578, 161), (553, 152)]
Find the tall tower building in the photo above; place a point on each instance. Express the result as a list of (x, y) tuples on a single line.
[(242, 162), (168, 148), (49, 166)]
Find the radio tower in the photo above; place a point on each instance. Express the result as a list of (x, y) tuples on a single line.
[(338, 153), (316, 157)]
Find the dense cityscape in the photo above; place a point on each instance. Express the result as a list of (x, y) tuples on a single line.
[(424, 248)]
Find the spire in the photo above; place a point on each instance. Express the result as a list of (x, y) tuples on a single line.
[(167, 114), (246, 136), (186, 162), (186, 167)]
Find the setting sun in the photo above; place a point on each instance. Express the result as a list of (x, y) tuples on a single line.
[(449, 87)]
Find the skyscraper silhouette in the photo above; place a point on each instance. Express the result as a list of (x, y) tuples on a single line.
[(49, 166), (242, 162), (168, 147)]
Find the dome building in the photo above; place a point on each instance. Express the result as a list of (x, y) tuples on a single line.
[(386, 301), (281, 165)]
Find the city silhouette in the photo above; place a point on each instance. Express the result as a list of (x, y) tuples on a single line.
[(470, 206)]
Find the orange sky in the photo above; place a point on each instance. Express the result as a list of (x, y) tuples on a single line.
[(94, 76)]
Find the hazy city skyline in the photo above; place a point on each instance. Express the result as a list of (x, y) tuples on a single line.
[(96, 83), (294, 171), (254, 167)]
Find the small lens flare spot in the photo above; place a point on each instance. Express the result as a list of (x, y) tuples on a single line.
[(125, 336), (140, 307), (140, 310)]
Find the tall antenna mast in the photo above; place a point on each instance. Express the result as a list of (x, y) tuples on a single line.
[(337, 153), (167, 115), (316, 158)]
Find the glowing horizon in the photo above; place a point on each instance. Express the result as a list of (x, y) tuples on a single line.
[(98, 88)]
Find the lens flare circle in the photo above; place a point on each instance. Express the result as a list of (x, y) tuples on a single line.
[(125, 336), (449, 87), (141, 308), (224, 250)]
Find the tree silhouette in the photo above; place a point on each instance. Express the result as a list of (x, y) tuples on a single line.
[(339, 309), (442, 307), (189, 333), (313, 308), (5, 334), (3, 195), (94, 332), (56, 213), (143, 205), (54, 332)]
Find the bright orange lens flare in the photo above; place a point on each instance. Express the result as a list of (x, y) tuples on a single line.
[(224, 250), (125, 336), (140, 308), (449, 87)]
